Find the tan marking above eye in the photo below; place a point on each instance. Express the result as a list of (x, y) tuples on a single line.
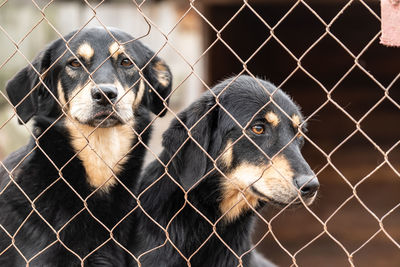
[(272, 118), (115, 50), (85, 51), (296, 120)]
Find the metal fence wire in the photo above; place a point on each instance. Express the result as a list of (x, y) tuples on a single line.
[(267, 223)]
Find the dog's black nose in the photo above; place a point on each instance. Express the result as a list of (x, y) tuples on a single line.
[(104, 95), (308, 185)]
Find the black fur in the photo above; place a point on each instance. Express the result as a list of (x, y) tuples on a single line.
[(32, 97), (192, 170), (50, 209)]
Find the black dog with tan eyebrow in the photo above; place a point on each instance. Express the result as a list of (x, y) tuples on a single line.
[(272, 133), (62, 195)]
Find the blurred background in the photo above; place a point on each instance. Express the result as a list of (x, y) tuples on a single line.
[(344, 80)]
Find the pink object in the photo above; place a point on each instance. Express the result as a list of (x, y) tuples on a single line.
[(390, 13)]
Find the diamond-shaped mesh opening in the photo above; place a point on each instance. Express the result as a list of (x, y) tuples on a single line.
[(383, 179), (338, 128), (374, 62), (276, 61), (389, 221), (365, 26), (334, 192), (270, 248), (374, 132), (389, 250), (324, 54), (364, 95), (338, 61), (365, 158), (285, 225), (308, 30), (244, 27), (325, 249), (224, 52), (367, 225), (302, 88)]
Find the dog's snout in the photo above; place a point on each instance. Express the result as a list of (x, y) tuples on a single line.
[(104, 95), (307, 184)]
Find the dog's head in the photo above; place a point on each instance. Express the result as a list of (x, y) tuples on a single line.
[(253, 137), (98, 78)]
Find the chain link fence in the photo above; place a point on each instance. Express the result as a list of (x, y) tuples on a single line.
[(355, 221)]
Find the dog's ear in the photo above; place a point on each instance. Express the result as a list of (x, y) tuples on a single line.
[(25, 90), (158, 85), (191, 162)]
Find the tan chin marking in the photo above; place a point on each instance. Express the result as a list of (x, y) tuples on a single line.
[(272, 118), (85, 51), (226, 157), (108, 147), (273, 182), (296, 120), (234, 203)]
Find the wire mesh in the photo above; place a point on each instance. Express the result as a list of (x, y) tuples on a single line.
[(193, 6)]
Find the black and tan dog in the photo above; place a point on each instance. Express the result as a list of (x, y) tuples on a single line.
[(257, 162), (63, 194)]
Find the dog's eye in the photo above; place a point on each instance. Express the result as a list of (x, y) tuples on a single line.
[(75, 63), (126, 62), (258, 129)]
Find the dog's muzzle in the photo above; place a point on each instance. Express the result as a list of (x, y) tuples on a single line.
[(104, 95), (105, 112), (307, 184)]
